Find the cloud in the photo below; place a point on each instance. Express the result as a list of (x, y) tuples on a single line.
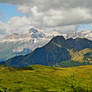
[(56, 12), (15, 24), (51, 13), (58, 17), (48, 4), (23, 24)]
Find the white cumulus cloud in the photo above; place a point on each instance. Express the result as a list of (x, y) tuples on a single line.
[(54, 14)]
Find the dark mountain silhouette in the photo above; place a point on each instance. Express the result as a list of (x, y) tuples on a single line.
[(53, 53)]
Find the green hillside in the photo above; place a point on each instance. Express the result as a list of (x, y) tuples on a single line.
[(39, 78), (84, 55)]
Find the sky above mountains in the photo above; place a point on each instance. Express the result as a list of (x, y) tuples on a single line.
[(50, 15), (8, 11)]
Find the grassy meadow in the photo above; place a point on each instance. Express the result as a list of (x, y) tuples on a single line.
[(40, 78)]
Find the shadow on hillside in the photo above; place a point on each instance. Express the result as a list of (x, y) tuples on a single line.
[(19, 68)]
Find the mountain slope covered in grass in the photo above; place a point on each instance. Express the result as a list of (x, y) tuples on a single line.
[(43, 79)]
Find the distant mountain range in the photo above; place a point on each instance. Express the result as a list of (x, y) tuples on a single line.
[(19, 43), (80, 34), (13, 44), (58, 52)]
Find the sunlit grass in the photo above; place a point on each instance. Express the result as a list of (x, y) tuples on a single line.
[(43, 78)]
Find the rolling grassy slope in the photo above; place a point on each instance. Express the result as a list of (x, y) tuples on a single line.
[(43, 79), (84, 55)]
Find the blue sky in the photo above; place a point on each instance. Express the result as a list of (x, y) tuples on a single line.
[(9, 11), (84, 27)]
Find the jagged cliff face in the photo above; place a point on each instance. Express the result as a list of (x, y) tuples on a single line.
[(55, 52)]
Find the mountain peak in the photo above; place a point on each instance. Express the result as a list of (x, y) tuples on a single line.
[(33, 30), (58, 38), (56, 51)]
